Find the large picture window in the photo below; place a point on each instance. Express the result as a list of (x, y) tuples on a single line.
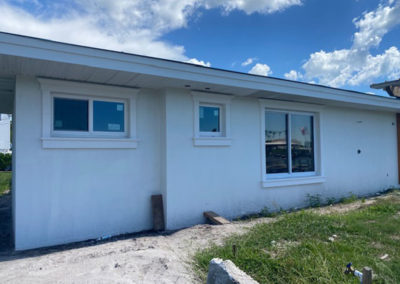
[(289, 143)]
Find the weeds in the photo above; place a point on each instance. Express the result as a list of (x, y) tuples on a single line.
[(295, 248), (349, 199), (314, 200), (5, 182)]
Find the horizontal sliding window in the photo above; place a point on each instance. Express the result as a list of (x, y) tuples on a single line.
[(289, 143), (74, 116)]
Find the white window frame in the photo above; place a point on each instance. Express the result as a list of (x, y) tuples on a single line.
[(91, 92), (223, 102), (290, 179)]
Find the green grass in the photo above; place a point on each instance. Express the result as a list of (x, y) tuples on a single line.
[(295, 248), (5, 182)]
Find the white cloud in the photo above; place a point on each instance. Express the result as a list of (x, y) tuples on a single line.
[(92, 29), (293, 75), (261, 69), (124, 25), (198, 62), (356, 65), (374, 25), (248, 61), (252, 6)]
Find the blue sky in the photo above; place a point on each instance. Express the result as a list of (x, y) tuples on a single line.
[(343, 43)]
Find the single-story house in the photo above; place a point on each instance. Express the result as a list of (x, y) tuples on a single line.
[(5, 128), (97, 133)]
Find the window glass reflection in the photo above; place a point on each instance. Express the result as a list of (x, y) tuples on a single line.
[(70, 115), (209, 119), (276, 144), (108, 116), (302, 143)]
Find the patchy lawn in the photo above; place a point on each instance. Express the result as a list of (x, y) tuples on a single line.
[(296, 248), (5, 182)]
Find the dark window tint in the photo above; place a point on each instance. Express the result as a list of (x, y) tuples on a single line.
[(276, 144), (70, 114), (108, 116), (302, 143), (209, 119)]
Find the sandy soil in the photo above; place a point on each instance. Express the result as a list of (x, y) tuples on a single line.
[(140, 258), (151, 258)]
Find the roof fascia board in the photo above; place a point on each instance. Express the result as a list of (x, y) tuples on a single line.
[(59, 52)]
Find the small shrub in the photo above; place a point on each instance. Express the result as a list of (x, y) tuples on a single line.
[(5, 162), (265, 212), (330, 200), (349, 199), (314, 200)]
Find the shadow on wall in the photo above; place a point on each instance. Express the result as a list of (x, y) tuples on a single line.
[(5, 222)]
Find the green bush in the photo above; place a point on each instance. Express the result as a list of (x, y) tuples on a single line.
[(5, 162)]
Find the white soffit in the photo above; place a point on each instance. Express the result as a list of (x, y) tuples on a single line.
[(21, 55)]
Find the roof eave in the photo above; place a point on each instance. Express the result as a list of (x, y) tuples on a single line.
[(33, 48)]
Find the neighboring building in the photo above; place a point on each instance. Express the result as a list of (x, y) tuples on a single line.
[(97, 132), (5, 128), (391, 87)]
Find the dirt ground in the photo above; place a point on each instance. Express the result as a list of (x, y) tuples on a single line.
[(140, 258), (136, 258)]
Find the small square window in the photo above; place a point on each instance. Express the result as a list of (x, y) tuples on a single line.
[(108, 116), (71, 115), (210, 119)]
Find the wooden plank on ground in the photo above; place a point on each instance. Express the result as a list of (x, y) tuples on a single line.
[(158, 212), (215, 218)]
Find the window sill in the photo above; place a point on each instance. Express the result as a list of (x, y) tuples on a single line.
[(212, 141), (88, 143), (293, 181)]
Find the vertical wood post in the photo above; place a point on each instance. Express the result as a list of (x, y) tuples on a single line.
[(398, 143), (158, 212), (367, 275)]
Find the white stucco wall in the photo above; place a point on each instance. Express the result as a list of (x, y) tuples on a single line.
[(228, 179), (4, 133), (66, 195)]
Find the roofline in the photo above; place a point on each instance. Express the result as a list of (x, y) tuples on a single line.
[(43, 49), (179, 62)]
